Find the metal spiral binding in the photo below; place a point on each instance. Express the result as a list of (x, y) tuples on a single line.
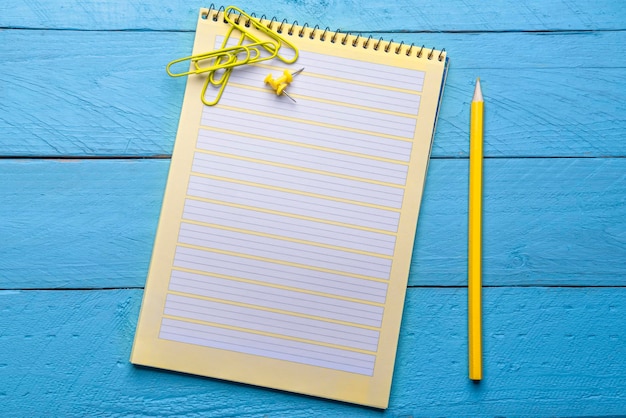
[(213, 14)]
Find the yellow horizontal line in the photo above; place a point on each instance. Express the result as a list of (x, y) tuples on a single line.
[(296, 167), (340, 103), (281, 262), (346, 80), (291, 215), (288, 239), (269, 334), (282, 189), (277, 286), (310, 122), (299, 144), (280, 311)]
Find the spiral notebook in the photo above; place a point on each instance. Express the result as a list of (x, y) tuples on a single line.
[(284, 243)]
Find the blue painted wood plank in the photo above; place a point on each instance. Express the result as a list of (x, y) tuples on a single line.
[(547, 352), (91, 223), (83, 93), (545, 222), (78, 223), (434, 15), (556, 222)]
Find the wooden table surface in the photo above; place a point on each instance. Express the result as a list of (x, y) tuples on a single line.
[(87, 122)]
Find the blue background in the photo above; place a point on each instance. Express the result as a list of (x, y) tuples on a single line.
[(88, 117)]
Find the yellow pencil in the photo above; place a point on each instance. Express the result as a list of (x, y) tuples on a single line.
[(474, 284)]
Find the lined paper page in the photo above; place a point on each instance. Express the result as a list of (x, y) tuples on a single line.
[(291, 214), (289, 227), (267, 321), (314, 207), (267, 346), (285, 238)]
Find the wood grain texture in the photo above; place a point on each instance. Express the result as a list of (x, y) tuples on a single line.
[(78, 223), (548, 352), (91, 223), (352, 15), (86, 78), (122, 103), (85, 95), (545, 222)]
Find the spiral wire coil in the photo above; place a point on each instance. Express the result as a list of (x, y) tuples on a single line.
[(335, 36)]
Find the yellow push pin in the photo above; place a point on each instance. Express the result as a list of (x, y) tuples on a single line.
[(282, 82)]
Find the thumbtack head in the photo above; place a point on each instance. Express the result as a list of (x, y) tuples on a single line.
[(280, 84)]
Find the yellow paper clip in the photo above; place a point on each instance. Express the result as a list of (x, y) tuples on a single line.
[(228, 57), (221, 83), (219, 64), (261, 28), (225, 74), (280, 84)]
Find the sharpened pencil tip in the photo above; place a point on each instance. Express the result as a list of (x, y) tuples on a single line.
[(478, 93)]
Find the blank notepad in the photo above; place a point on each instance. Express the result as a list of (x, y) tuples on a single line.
[(284, 243)]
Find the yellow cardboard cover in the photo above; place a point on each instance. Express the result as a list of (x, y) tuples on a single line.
[(285, 238)]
